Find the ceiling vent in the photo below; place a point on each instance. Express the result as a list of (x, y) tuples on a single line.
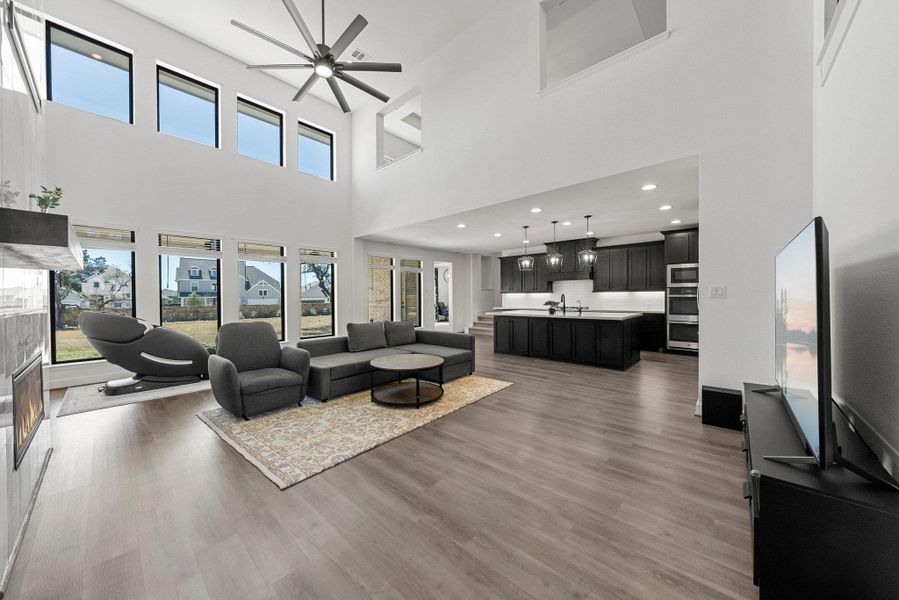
[(360, 55)]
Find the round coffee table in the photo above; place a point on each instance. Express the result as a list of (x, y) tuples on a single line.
[(407, 393)]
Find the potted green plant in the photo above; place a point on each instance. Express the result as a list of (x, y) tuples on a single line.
[(48, 198)]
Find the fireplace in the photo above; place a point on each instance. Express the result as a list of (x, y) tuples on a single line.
[(28, 405)]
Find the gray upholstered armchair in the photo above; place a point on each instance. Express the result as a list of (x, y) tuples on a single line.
[(250, 373)]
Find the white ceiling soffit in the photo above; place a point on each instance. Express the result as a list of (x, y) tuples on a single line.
[(405, 31), (619, 206)]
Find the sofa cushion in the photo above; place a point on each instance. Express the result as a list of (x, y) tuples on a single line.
[(365, 336), (253, 382), (399, 332), (348, 364), (451, 356)]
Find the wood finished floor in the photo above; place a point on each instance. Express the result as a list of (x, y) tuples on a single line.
[(575, 482)]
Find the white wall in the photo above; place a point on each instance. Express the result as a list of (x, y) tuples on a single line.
[(132, 176), (732, 84), (856, 182)]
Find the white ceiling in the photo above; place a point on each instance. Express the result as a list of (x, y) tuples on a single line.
[(405, 31), (618, 205)]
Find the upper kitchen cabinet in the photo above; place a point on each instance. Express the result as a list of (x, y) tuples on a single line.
[(635, 267), (681, 246), (514, 280)]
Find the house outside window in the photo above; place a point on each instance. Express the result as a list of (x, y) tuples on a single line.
[(260, 278), (317, 293), (188, 303)]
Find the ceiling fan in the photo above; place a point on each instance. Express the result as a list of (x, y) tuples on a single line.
[(324, 59)]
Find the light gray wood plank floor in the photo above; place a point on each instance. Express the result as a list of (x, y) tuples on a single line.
[(575, 482)]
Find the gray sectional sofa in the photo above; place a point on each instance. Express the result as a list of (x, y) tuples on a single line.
[(340, 365)]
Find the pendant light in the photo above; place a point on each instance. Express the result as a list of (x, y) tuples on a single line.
[(554, 259), (526, 262), (587, 257)]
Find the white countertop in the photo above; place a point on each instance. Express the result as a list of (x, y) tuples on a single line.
[(571, 314), (644, 312)]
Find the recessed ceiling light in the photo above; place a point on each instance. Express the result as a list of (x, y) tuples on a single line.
[(497, 235), (461, 225), (566, 223), (589, 233), (526, 242), (676, 222), (536, 210), (649, 187), (665, 207), (96, 56)]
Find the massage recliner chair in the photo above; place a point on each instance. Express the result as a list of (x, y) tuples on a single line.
[(159, 357)]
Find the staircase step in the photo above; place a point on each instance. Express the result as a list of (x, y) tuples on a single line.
[(480, 330)]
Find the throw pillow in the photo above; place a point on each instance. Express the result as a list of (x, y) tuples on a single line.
[(365, 336), (400, 333)]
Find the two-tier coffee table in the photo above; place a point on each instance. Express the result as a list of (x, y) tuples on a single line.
[(407, 393)]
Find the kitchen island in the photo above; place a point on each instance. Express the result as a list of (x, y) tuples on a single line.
[(606, 339)]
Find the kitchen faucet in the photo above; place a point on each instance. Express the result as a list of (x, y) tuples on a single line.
[(563, 304), (580, 309)]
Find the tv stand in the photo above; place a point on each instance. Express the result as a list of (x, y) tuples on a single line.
[(816, 534)]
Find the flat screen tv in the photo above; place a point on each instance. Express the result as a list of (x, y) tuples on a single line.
[(802, 338)]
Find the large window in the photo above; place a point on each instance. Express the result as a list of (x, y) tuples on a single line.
[(87, 74), (380, 288), (259, 132), (186, 108), (106, 284), (316, 151), (410, 291), (189, 290), (260, 279), (316, 293)]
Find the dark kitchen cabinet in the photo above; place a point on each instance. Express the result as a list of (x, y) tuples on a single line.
[(681, 246), (655, 261), (560, 339), (609, 343), (512, 279), (502, 335), (583, 342), (637, 269), (569, 257), (540, 338), (602, 271), (618, 266), (520, 335), (652, 332), (505, 274)]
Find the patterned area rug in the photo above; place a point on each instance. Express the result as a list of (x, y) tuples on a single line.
[(85, 398), (297, 443)]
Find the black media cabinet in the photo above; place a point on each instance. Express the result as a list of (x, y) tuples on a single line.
[(815, 534)]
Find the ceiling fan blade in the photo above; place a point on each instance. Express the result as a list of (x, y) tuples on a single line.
[(301, 25), (346, 38), (306, 87), (362, 86), (270, 40), (341, 100), (281, 66), (370, 66)]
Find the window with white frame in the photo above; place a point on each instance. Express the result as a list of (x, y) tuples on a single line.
[(578, 34)]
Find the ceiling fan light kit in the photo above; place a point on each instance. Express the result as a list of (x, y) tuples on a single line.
[(324, 59)]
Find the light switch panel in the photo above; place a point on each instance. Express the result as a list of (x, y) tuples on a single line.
[(717, 291)]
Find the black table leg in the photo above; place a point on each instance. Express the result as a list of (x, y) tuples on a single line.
[(417, 390)]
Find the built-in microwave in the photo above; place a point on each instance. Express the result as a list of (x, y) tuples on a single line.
[(683, 275), (683, 336), (683, 304)]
